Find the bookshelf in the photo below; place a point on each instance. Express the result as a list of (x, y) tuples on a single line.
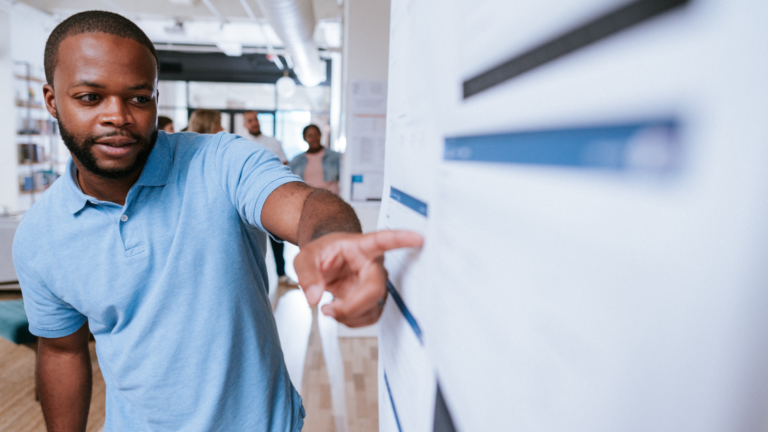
[(41, 154)]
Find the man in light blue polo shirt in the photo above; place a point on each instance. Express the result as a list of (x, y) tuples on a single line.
[(152, 242)]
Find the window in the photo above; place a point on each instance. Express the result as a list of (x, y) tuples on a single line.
[(282, 117), (290, 125)]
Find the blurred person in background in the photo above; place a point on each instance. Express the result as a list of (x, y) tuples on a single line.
[(251, 122), (205, 121), (165, 124), (318, 167)]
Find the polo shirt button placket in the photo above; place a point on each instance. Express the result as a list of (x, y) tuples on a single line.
[(131, 242)]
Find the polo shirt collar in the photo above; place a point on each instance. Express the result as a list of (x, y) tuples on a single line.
[(156, 172), (75, 198)]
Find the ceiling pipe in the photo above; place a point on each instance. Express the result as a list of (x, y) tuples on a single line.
[(294, 22), (248, 10), (271, 56), (215, 11)]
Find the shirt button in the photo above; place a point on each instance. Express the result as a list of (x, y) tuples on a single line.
[(124, 218)]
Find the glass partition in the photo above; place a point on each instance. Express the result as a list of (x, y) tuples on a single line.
[(306, 99), (281, 117), (245, 96)]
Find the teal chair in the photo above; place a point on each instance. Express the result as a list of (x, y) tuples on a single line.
[(14, 325)]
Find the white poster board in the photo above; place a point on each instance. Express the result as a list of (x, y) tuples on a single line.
[(365, 139), (595, 239)]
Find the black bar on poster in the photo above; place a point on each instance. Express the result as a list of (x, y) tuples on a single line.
[(442, 421), (601, 28)]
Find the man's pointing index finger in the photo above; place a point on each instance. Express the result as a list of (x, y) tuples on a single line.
[(375, 244)]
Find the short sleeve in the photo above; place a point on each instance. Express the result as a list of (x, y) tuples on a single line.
[(48, 316), (249, 174)]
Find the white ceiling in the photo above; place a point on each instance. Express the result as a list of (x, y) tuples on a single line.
[(230, 9), (160, 20)]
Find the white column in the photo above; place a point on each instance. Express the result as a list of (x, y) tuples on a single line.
[(9, 182), (366, 57)]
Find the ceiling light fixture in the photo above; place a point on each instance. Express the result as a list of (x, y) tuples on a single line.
[(176, 29), (286, 86), (232, 49)]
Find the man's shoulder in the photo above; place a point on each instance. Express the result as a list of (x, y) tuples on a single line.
[(184, 143), (41, 217), (213, 151), (51, 202), (187, 146)]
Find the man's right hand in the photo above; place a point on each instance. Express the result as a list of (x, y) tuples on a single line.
[(64, 381)]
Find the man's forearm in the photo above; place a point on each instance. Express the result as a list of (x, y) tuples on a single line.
[(325, 213), (64, 382)]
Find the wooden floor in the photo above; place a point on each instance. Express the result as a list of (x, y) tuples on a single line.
[(360, 382), (19, 412), (360, 358), (316, 388)]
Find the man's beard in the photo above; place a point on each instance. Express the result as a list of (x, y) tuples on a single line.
[(82, 151)]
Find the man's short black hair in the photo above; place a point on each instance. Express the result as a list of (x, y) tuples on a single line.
[(91, 22), (304, 132)]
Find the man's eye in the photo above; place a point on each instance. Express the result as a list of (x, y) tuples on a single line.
[(89, 98), (142, 99)]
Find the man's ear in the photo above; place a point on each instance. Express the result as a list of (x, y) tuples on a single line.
[(50, 100)]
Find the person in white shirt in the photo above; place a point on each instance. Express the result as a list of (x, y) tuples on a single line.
[(254, 134)]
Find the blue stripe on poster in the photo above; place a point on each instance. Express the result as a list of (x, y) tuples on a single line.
[(392, 401), (649, 146), (408, 201), (406, 313)]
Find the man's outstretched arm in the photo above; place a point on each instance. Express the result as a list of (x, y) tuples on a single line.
[(334, 255), (64, 381), (299, 214)]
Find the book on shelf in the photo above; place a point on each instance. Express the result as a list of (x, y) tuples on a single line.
[(25, 104), (37, 127), (37, 182), (31, 153), (30, 78)]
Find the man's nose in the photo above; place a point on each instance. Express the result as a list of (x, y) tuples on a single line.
[(116, 113)]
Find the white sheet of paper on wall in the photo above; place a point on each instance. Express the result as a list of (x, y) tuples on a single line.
[(591, 298)]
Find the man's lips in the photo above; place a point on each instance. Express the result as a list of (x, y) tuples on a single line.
[(116, 141), (115, 146)]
